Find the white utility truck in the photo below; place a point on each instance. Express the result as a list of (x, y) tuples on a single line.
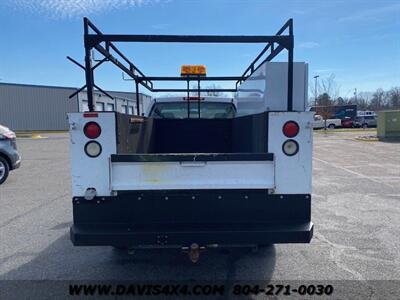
[(195, 172), (319, 122)]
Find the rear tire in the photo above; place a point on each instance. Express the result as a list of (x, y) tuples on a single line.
[(4, 169), (365, 126), (260, 247), (331, 126)]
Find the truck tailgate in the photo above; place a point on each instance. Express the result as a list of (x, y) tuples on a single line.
[(191, 171)]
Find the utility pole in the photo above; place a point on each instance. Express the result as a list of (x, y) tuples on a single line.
[(316, 86)]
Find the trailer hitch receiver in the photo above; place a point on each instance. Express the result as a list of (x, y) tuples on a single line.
[(194, 252)]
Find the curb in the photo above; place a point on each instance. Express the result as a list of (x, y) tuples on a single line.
[(367, 138), (31, 136)]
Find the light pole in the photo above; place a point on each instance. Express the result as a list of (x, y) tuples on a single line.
[(316, 85), (355, 95)]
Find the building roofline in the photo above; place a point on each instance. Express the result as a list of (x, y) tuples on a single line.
[(38, 85), (59, 87)]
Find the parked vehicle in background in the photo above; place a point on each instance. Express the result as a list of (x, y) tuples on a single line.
[(363, 113), (9, 157), (319, 122), (347, 122), (365, 122), (336, 111)]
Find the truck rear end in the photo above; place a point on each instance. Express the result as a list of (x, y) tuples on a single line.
[(176, 182), (223, 180)]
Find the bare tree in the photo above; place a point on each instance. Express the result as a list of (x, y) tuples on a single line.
[(214, 93), (378, 100), (329, 86), (208, 93), (394, 97), (324, 107)]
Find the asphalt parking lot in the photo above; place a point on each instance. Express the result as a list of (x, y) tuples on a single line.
[(356, 212)]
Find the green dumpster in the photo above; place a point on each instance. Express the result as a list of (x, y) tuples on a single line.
[(389, 124)]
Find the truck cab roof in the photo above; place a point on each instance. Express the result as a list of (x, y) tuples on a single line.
[(194, 98)]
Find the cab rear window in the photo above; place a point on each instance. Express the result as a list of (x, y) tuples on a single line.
[(203, 110)]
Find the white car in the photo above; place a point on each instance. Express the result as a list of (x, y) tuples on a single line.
[(319, 122)]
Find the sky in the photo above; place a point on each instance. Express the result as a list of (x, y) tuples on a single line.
[(356, 41)]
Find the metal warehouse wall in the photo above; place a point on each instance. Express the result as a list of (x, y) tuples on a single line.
[(30, 107), (143, 98), (121, 100)]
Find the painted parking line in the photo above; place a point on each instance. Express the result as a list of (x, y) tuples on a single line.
[(353, 172)]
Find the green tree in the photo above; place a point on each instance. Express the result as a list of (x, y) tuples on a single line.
[(340, 101), (324, 100)]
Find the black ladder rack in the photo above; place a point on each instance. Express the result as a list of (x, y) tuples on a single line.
[(94, 39)]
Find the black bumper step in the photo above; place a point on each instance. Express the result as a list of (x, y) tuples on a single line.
[(172, 236)]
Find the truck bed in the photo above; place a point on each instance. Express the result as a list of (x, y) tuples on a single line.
[(246, 134)]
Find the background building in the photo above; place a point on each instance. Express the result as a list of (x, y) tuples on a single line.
[(37, 107)]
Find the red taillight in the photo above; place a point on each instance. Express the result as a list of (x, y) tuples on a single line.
[(290, 129), (92, 130)]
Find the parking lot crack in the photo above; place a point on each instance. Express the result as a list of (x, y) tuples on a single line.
[(336, 252), (13, 256), (32, 210)]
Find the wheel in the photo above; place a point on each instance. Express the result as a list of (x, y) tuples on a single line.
[(365, 125), (4, 169), (331, 126)]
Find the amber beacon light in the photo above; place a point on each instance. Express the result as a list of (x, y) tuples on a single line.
[(193, 70)]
